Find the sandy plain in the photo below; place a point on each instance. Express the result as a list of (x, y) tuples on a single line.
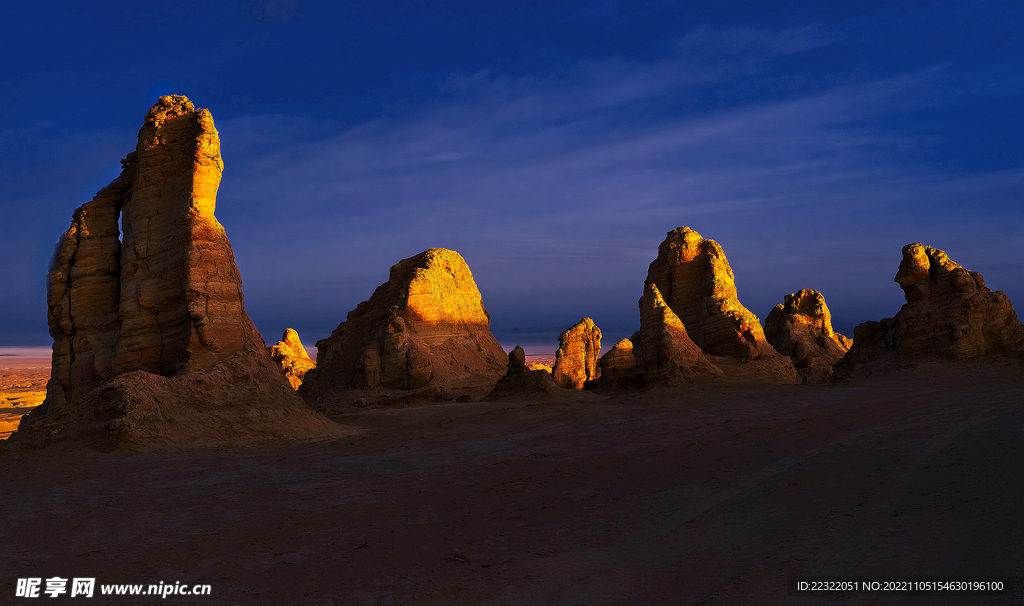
[(711, 494), (22, 387)]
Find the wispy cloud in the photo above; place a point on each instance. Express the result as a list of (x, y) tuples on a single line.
[(563, 185)]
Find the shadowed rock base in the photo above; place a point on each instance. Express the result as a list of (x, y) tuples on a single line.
[(522, 382)]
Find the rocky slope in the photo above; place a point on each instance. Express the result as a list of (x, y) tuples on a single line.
[(665, 349)]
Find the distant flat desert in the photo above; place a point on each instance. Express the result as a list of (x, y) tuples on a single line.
[(23, 375), (707, 494)]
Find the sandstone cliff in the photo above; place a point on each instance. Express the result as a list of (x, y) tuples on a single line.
[(425, 327), (949, 312), (801, 328), (695, 280), (576, 359), (665, 350), (154, 320), (290, 355)]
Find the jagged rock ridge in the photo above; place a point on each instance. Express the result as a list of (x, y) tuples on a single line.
[(665, 349), (948, 312)]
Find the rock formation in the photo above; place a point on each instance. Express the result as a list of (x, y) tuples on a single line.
[(576, 359), (801, 328), (949, 312), (156, 321), (665, 350), (695, 280), (291, 357), (520, 381), (425, 326), (619, 361)]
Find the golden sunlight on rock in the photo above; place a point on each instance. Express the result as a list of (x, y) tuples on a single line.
[(619, 361), (576, 359), (152, 344), (290, 355), (22, 388), (949, 312), (665, 349), (425, 327), (694, 278)]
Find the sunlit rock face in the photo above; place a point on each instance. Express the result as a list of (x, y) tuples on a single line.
[(694, 278), (290, 355), (425, 325), (949, 312), (576, 359), (619, 361), (520, 380), (801, 328), (164, 299), (665, 350)]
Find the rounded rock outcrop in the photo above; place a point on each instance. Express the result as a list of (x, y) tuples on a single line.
[(801, 327), (426, 327)]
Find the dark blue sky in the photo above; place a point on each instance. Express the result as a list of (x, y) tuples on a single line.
[(552, 145)]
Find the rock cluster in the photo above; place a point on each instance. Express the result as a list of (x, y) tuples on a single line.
[(801, 328), (576, 359), (425, 327), (693, 279), (155, 319), (949, 312), (521, 381), (290, 355)]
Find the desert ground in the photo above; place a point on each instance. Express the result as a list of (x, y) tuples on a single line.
[(707, 494)]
